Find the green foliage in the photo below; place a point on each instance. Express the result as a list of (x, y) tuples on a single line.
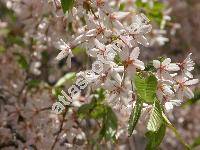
[(101, 112), (118, 60), (66, 5), (156, 119), (14, 39), (146, 87), (155, 138), (91, 110), (33, 83), (195, 143), (135, 115), (150, 68), (21, 60), (154, 13), (122, 6), (56, 91), (66, 78), (78, 50), (109, 126), (99, 94)]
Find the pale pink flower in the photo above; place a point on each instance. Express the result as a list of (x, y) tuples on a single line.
[(102, 52), (65, 52), (131, 60), (182, 87), (187, 66), (163, 68), (171, 103), (139, 28), (118, 93)]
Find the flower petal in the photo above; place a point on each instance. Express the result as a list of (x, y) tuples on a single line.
[(120, 15), (192, 82), (168, 106), (156, 64), (135, 53), (188, 93), (99, 45), (62, 55), (166, 62), (172, 67), (139, 64), (142, 40)]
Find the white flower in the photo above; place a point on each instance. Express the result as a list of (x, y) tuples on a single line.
[(65, 52), (118, 93), (165, 89), (164, 67), (170, 104), (187, 66), (131, 60), (138, 28), (182, 88), (102, 52), (89, 75), (109, 71)]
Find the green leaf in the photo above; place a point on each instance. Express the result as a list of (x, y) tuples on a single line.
[(33, 83), (56, 91), (118, 60), (122, 6), (21, 61), (109, 127), (153, 12), (99, 95), (156, 118), (67, 4), (146, 87), (103, 113), (135, 115), (98, 112), (150, 68), (196, 143), (84, 110), (14, 39), (67, 77), (155, 138)]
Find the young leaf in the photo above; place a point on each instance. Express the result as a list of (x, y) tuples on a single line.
[(98, 112), (155, 138), (109, 127), (66, 5), (146, 87), (84, 110), (156, 118), (135, 115)]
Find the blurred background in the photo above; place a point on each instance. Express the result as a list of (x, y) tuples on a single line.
[(30, 78)]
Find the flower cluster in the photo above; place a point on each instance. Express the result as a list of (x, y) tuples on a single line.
[(108, 35), (173, 86), (111, 34)]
